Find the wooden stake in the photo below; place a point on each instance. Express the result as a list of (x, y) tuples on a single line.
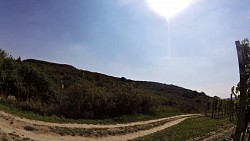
[(242, 105), (231, 108)]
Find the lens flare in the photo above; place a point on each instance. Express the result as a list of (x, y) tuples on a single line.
[(168, 8)]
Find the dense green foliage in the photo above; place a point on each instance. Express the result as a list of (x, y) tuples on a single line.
[(181, 99), (36, 86)]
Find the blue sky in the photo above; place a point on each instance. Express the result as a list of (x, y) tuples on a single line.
[(126, 38)]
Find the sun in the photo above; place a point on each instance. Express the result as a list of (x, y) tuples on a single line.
[(168, 8)]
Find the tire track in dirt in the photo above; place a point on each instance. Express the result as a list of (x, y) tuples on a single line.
[(76, 125), (12, 128)]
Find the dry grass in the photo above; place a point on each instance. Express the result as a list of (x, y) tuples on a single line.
[(101, 132)]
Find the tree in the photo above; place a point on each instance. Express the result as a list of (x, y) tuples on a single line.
[(3, 55), (19, 59)]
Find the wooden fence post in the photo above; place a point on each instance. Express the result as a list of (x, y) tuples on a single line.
[(242, 105), (231, 108)]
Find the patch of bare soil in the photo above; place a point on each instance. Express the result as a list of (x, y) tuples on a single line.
[(16, 128), (220, 135)]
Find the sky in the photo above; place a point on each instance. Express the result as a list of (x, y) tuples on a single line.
[(194, 49)]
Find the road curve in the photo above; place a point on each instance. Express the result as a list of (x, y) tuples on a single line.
[(14, 126)]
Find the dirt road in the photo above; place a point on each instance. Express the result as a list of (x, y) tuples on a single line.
[(16, 128)]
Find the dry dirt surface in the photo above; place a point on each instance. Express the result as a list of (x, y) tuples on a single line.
[(221, 135), (21, 129)]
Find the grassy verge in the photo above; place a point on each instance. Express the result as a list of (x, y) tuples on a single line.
[(101, 132), (55, 119), (188, 129)]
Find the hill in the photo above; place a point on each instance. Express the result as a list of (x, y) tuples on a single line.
[(36, 85), (184, 100)]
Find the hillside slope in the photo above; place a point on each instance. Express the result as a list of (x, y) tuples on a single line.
[(175, 97), (59, 89)]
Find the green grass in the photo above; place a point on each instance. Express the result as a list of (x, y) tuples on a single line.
[(134, 118), (55, 119), (188, 129)]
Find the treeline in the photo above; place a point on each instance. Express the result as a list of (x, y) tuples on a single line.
[(23, 85), (30, 88), (36, 86), (83, 99), (181, 99)]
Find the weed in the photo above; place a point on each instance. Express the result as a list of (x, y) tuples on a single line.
[(29, 128)]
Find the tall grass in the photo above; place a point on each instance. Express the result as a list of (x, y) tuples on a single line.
[(122, 119)]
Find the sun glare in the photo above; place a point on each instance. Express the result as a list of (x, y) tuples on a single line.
[(168, 8)]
